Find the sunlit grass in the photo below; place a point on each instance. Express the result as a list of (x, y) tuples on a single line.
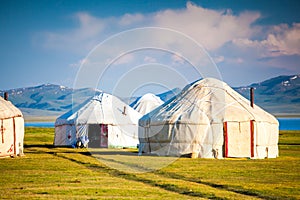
[(46, 172)]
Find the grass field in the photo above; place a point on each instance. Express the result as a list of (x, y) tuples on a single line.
[(64, 173)]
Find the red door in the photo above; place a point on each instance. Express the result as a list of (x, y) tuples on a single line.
[(103, 136)]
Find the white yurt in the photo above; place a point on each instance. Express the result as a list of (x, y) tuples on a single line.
[(147, 103), (208, 119), (12, 129), (102, 122)]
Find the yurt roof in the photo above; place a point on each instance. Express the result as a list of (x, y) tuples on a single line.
[(102, 109), (8, 110), (207, 100), (147, 103)]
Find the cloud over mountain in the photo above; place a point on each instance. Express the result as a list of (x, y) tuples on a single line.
[(234, 40)]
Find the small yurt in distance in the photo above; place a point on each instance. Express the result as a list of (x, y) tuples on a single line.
[(147, 103), (102, 122), (208, 119), (12, 129)]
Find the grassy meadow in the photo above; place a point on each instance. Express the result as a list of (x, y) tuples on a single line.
[(46, 172)]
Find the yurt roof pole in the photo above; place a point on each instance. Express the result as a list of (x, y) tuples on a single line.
[(5, 96), (252, 97)]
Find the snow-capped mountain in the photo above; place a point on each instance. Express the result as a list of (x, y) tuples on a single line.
[(279, 95), (55, 99)]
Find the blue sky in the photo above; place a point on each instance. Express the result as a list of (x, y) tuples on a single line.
[(48, 41)]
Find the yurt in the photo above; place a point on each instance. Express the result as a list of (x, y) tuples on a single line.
[(147, 103), (102, 122), (208, 119), (12, 129)]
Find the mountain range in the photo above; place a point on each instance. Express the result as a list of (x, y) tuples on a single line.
[(48, 99), (279, 96)]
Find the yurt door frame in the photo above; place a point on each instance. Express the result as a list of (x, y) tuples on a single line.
[(238, 139), (2, 130), (104, 136), (11, 145)]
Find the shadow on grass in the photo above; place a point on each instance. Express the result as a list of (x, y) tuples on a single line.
[(171, 187), (174, 188), (49, 146), (113, 153), (238, 190), (133, 177)]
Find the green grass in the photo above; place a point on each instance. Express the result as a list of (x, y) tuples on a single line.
[(64, 173)]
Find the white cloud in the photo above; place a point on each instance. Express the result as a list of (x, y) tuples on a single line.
[(78, 39), (280, 40), (129, 19), (149, 59), (231, 38), (79, 63), (89, 26), (284, 40), (235, 60), (210, 28), (177, 59), (219, 59), (124, 59)]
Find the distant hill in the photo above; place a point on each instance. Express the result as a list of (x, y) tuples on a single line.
[(279, 95), (48, 99)]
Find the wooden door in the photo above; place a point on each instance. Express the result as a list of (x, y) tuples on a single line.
[(239, 139)]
